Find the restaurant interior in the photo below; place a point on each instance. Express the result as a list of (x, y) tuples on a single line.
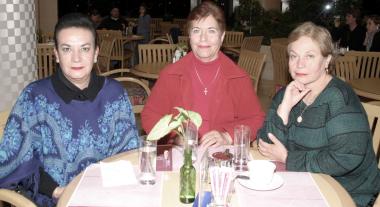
[(27, 55)]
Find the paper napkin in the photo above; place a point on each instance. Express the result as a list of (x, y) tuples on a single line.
[(117, 173)]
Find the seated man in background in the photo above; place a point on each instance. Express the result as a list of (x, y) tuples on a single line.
[(114, 21)]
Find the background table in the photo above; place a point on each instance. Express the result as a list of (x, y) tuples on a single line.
[(367, 87), (334, 193)]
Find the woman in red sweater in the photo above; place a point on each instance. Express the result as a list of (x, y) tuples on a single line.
[(208, 82)]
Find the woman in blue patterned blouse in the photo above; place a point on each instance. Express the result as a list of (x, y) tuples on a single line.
[(62, 124)]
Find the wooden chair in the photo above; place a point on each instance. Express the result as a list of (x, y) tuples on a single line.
[(249, 43), (156, 53), (345, 68), (184, 40), (104, 57), (45, 60), (3, 120), (47, 37), (253, 63), (280, 65), (104, 33), (281, 40), (117, 72), (233, 39), (156, 22), (373, 112), (135, 88), (166, 39), (181, 23), (165, 27), (15, 199), (119, 52), (368, 63)]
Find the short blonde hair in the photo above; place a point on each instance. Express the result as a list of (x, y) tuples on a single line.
[(318, 34)]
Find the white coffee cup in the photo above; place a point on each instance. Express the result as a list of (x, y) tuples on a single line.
[(261, 171)]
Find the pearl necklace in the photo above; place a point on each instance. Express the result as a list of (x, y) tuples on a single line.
[(205, 91)]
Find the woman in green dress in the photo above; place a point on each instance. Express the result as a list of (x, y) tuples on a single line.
[(317, 123)]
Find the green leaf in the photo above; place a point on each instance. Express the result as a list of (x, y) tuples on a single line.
[(161, 128), (190, 115), (195, 118), (167, 123)]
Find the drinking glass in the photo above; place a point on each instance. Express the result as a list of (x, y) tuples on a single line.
[(242, 135), (147, 158), (221, 179)]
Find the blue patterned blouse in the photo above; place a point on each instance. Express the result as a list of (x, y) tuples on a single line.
[(65, 138)]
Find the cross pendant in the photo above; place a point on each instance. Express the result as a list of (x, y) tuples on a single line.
[(205, 91)]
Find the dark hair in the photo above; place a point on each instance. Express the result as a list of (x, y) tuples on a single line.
[(355, 12), (375, 19), (205, 9), (74, 20)]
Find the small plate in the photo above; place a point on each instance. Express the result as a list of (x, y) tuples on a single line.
[(277, 182)]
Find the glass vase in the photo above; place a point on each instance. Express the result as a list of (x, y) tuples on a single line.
[(187, 178)]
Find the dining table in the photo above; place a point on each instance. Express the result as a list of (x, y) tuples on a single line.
[(334, 194), (149, 70), (366, 87)]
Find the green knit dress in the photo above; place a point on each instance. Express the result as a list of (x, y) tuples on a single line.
[(333, 138)]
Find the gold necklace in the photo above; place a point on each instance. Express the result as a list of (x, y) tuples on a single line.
[(205, 91)]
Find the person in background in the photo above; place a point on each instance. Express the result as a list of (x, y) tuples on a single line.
[(114, 21), (95, 17), (317, 123), (143, 25), (63, 123), (372, 39), (206, 81), (353, 34), (336, 30)]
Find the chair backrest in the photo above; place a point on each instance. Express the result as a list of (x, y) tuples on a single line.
[(280, 40), (135, 88), (47, 37), (156, 23), (280, 64), (104, 57), (252, 43), (3, 120), (234, 39), (14, 198), (166, 39), (156, 53), (184, 40), (166, 26), (104, 33), (345, 68), (253, 63), (119, 53), (368, 63), (373, 112), (45, 60), (181, 23), (116, 72)]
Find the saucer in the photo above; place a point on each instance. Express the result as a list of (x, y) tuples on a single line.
[(277, 182)]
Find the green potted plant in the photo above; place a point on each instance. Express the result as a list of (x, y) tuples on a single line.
[(178, 123)]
